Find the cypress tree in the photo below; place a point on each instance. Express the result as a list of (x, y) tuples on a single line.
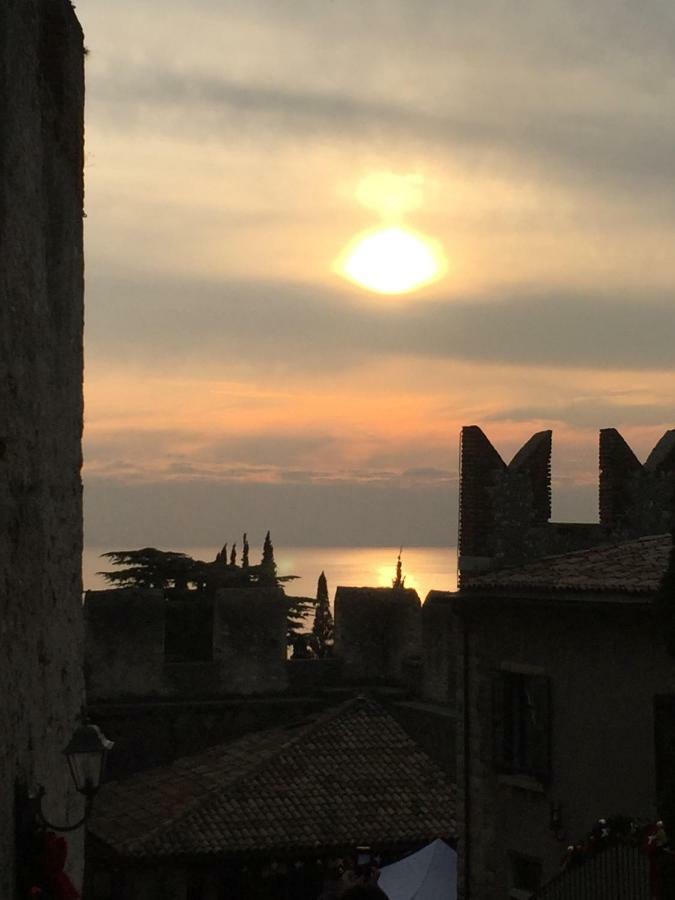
[(323, 618), (268, 568), (233, 555), (399, 582), (244, 553)]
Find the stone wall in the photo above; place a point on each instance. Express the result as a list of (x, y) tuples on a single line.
[(126, 656), (376, 631), (439, 650), (249, 640), (124, 643), (41, 295), (636, 499), (433, 726)]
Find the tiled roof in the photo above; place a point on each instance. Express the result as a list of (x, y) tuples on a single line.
[(350, 777), (632, 567)]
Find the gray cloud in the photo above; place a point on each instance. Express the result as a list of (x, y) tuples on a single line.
[(190, 512), (595, 412), (292, 327), (629, 146), (271, 448), (569, 87)]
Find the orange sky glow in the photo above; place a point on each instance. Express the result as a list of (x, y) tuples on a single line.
[(233, 154)]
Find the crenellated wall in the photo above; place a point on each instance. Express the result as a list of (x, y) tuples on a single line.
[(41, 312), (636, 499), (505, 509)]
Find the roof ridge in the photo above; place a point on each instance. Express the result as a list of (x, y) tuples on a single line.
[(180, 764), (256, 766), (202, 805)]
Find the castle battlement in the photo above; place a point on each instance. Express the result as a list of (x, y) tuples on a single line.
[(505, 509)]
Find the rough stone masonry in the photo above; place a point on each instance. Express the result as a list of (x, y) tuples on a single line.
[(41, 295)]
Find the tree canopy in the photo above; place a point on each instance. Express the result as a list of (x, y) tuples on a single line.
[(172, 572)]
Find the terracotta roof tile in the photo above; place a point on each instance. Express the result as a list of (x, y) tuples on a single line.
[(351, 776), (633, 567)]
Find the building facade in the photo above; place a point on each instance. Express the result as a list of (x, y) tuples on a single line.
[(565, 710)]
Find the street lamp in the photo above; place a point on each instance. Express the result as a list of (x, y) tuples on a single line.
[(86, 753), (41, 855)]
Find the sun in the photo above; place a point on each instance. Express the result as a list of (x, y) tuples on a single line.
[(392, 260)]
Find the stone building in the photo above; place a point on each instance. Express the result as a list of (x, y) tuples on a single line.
[(41, 295), (565, 710)]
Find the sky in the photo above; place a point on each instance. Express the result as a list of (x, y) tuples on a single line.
[(235, 380)]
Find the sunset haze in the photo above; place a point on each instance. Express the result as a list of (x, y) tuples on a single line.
[(235, 380)]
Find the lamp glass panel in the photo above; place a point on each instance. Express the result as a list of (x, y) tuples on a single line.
[(86, 769)]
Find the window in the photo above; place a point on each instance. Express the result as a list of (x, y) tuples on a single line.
[(522, 724), (188, 630)]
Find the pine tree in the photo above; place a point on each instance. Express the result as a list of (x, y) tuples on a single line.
[(399, 582), (323, 618), (297, 611), (151, 568), (233, 555)]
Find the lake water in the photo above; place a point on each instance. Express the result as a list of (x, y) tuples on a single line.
[(425, 568)]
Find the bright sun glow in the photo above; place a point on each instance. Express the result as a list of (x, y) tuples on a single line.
[(392, 260)]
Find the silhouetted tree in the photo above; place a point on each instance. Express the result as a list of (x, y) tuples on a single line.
[(323, 618), (170, 571), (152, 568), (297, 611), (244, 553), (297, 608), (399, 582), (267, 567)]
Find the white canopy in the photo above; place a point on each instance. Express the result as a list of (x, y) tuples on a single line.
[(429, 874)]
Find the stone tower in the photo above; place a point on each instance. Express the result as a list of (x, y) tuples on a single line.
[(41, 294)]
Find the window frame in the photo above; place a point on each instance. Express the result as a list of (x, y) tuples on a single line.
[(522, 723)]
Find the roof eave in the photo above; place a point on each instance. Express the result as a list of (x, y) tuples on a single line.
[(477, 598)]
